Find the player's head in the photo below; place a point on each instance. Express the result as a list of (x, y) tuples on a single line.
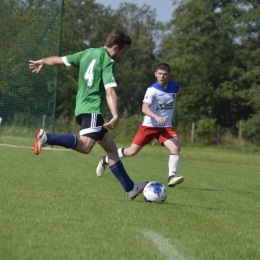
[(117, 43), (163, 66), (162, 73)]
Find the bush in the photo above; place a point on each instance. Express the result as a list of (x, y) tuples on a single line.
[(251, 130), (205, 130), (127, 128)]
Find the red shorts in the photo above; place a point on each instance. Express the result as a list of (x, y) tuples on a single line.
[(146, 134)]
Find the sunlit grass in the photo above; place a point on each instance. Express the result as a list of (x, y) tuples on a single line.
[(53, 206)]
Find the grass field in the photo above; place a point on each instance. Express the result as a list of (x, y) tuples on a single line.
[(53, 206)]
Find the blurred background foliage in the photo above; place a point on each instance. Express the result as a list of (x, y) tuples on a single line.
[(213, 48)]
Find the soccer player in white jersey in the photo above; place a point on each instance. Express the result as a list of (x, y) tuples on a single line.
[(96, 89), (158, 107)]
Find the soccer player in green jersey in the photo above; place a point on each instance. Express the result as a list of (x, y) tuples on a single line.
[(96, 89)]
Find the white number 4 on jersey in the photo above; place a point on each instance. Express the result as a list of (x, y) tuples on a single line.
[(89, 75)]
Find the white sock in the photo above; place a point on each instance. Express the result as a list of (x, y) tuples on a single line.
[(174, 161), (120, 154)]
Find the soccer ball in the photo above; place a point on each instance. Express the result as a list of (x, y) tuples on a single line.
[(155, 192)]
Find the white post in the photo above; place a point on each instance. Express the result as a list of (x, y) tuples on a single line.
[(218, 135), (240, 130), (192, 132), (0, 125)]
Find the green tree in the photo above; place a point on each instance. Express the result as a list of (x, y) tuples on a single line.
[(247, 69), (200, 51), (212, 47), (135, 72)]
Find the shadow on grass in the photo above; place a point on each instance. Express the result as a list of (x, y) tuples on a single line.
[(215, 190)]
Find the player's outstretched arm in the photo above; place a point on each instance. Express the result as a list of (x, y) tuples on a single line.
[(37, 65)]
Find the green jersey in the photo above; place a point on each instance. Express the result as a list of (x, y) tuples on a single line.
[(96, 73)]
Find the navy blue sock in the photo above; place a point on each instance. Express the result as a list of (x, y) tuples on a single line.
[(120, 173), (66, 140)]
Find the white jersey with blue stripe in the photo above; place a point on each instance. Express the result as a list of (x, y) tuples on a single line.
[(162, 103)]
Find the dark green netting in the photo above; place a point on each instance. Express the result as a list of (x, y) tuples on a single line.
[(29, 30)]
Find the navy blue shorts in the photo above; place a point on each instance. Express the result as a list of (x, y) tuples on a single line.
[(91, 125)]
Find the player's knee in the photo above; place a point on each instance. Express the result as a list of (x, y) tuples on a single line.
[(87, 150)]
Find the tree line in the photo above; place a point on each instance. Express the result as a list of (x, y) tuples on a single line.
[(213, 48)]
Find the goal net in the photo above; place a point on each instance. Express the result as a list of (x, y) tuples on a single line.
[(29, 30)]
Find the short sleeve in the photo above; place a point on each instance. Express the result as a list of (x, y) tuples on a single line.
[(148, 98), (109, 75), (74, 59)]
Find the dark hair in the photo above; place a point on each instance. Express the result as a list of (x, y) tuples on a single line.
[(163, 66), (119, 38)]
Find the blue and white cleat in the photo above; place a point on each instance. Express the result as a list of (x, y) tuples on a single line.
[(138, 188)]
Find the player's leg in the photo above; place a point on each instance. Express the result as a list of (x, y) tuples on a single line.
[(122, 152), (43, 139), (174, 160), (132, 150), (89, 134), (83, 144), (143, 136), (108, 144), (169, 139), (118, 169)]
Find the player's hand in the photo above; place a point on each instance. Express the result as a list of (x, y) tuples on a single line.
[(112, 123), (36, 66), (161, 120)]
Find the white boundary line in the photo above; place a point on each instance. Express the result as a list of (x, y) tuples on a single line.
[(163, 245), (31, 147)]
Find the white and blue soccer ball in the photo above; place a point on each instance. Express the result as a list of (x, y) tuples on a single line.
[(155, 192)]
